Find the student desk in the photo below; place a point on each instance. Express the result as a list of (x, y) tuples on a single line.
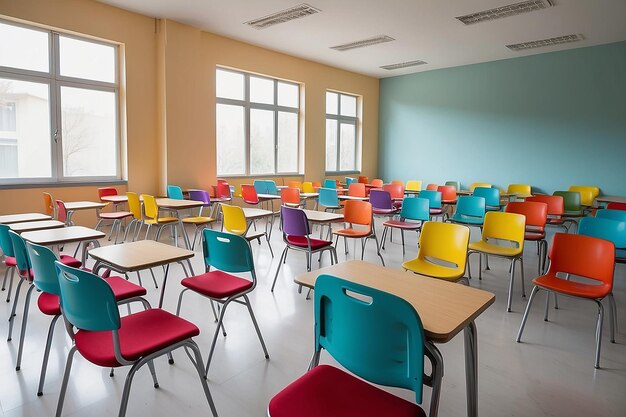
[(445, 308), (73, 206), (35, 225), (63, 235), (177, 206), (323, 218), (23, 217)]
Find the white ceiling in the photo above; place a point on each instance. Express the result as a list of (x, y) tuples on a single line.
[(423, 29)]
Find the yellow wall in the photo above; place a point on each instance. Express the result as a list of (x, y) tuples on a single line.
[(170, 97)]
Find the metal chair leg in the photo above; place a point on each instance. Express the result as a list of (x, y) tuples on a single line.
[(599, 324), (256, 326), (20, 349), (66, 377), (283, 256), (46, 356), (530, 301)]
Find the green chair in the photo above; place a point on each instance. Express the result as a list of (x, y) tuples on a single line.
[(572, 207)]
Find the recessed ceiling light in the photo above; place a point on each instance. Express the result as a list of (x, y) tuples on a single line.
[(362, 43), (505, 11), (283, 16), (545, 42)]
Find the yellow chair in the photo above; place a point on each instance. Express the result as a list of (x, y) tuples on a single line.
[(134, 206), (479, 184), (235, 222), (520, 190), (507, 228), (588, 194), (307, 187), (442, 252), (413, 185), (151, 218)]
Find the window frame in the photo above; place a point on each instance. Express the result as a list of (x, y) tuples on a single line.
[(54, 82), (345, 120), (247, 106)]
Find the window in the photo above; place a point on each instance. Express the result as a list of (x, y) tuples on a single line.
[(342, 145), (257, 125), (59, 116)]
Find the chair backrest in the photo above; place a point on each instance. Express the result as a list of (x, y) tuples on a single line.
[(106, 191), (317, 184), (227, 252), (432, 187), (271, 187), (363, 179), (328, 197), (433, 196), (381, 199), (249, 194), (395, 190), (294, 221), (222, 190), (455, 184), (381, 340), (479, 184), (619, 215), (444, 242), (603, 228), (20, 252), (234, 219), (87, 300), (200, 195), (307, 187), (554, 202), (536, 213), (521, 189), (175, 192), (5, 241), (134, 205), (616, 206), (448, 193), (398, 182), (350, 180), (587, 193), (491, 195), (42, 261), (260, 186), (585, 256), (415, 209), (290, 196), (61, 211), (48, 205), (571, 200), (357, 189), (328, 183), (414, 185), (150, 208), (358, 212), (470, 206), (377, 182), (505, 226), (295, 184)]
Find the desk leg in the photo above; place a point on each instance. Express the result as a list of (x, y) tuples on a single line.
[(183, 231), (167, 269), (471, 369)]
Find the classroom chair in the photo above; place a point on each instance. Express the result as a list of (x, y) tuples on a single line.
[(470, 210), (152, 218), (328, 199), (588, 194), (235, 222), (491, 196), (358, 213), (175, 192), (415, 211), (478, 184), (115, 216), (199, 221), (413, 185), (434, 202), (520, 190), (536, 216)]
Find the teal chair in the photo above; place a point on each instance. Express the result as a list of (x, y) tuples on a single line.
[(328, 183), (470, 210), (491, 196), (329, 199), (228, 254), (270, 186), (607, 229), (105, 339), (9, 258), (619, 215), (380, 340), (350, 180), (434, 202), (415, 211), (174, 192)]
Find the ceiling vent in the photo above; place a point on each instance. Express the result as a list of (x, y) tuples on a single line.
[(365, 42), (545, 42), (302, 10), (403, 65), (505, 11)]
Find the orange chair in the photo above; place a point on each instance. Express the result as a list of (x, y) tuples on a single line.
[(582, 256), (448, 198), (295, 184), (364, 180), (249, 195), (356, 189), (536, 214), (377, 182), (48, 205), (358, 213), (290, 197), (398, 182), (556, 209), (432, 187), (317, 184), (396, 191)]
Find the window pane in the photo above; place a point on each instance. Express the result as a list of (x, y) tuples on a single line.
[(287, 95), (348, 105), (88, 125), (331, 103), (231, 140), (24, 129), (261, 90), (229, 84), (261, 141), (348, 148), (287, 142), (331, 145), (23, 48), (88, 60)]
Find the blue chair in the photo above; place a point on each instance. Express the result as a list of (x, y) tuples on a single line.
[(271, 188), (329, 199), (9, 258), (415, 211), (434, 202), (381, 341), (491, 196), (470, 210), (619, 215), (608, 229), (328, 183), (174, 192), (105, 339), (350, 180), (261, 187), (228, 254)]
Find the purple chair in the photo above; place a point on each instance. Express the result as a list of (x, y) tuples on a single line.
[(199, 221), (382, 204), (296, 231)]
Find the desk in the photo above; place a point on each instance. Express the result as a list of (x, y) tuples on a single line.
[(445, 308), (23, 217), (600, 199), (323, 218), (36, 225), (176, 206), (352, 197), (63, 235), (136, 256), (412, 192), (72, 206)]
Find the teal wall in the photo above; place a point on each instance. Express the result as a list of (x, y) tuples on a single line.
[(549, 120)]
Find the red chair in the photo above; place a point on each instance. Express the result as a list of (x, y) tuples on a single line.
[(583, 256), (536, 216), (115, 216), (396, 191), (290, 197), (249, 195), (364, 180), (448, 198), (616, 206), (556, 209), (432, 187)]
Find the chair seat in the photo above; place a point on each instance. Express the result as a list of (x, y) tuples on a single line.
[(384, 211), (115, 215), (49, 304), (467, 220), (141, 334), (220, 199), (161, 220), (576, 289), (493, 208), (301, 242), (326, 391), (70, 261), (124, 289), (217, 284), (198, 220), (492, 249), (436, 211), (403, 225), (534, 235), (555, 221), (352, 232), (433, 270), (10, 261), (574, 213)]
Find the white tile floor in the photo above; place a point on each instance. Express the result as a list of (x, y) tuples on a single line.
[(550, 374)]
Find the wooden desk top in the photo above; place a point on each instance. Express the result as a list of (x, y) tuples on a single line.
[(83, 205), (170, 203), (115, 198), (143, 254), (444, 307), (323, 216), (599, 199), (23, 217), (256, 213), (40, 225), (62, 235), (352, 197)]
